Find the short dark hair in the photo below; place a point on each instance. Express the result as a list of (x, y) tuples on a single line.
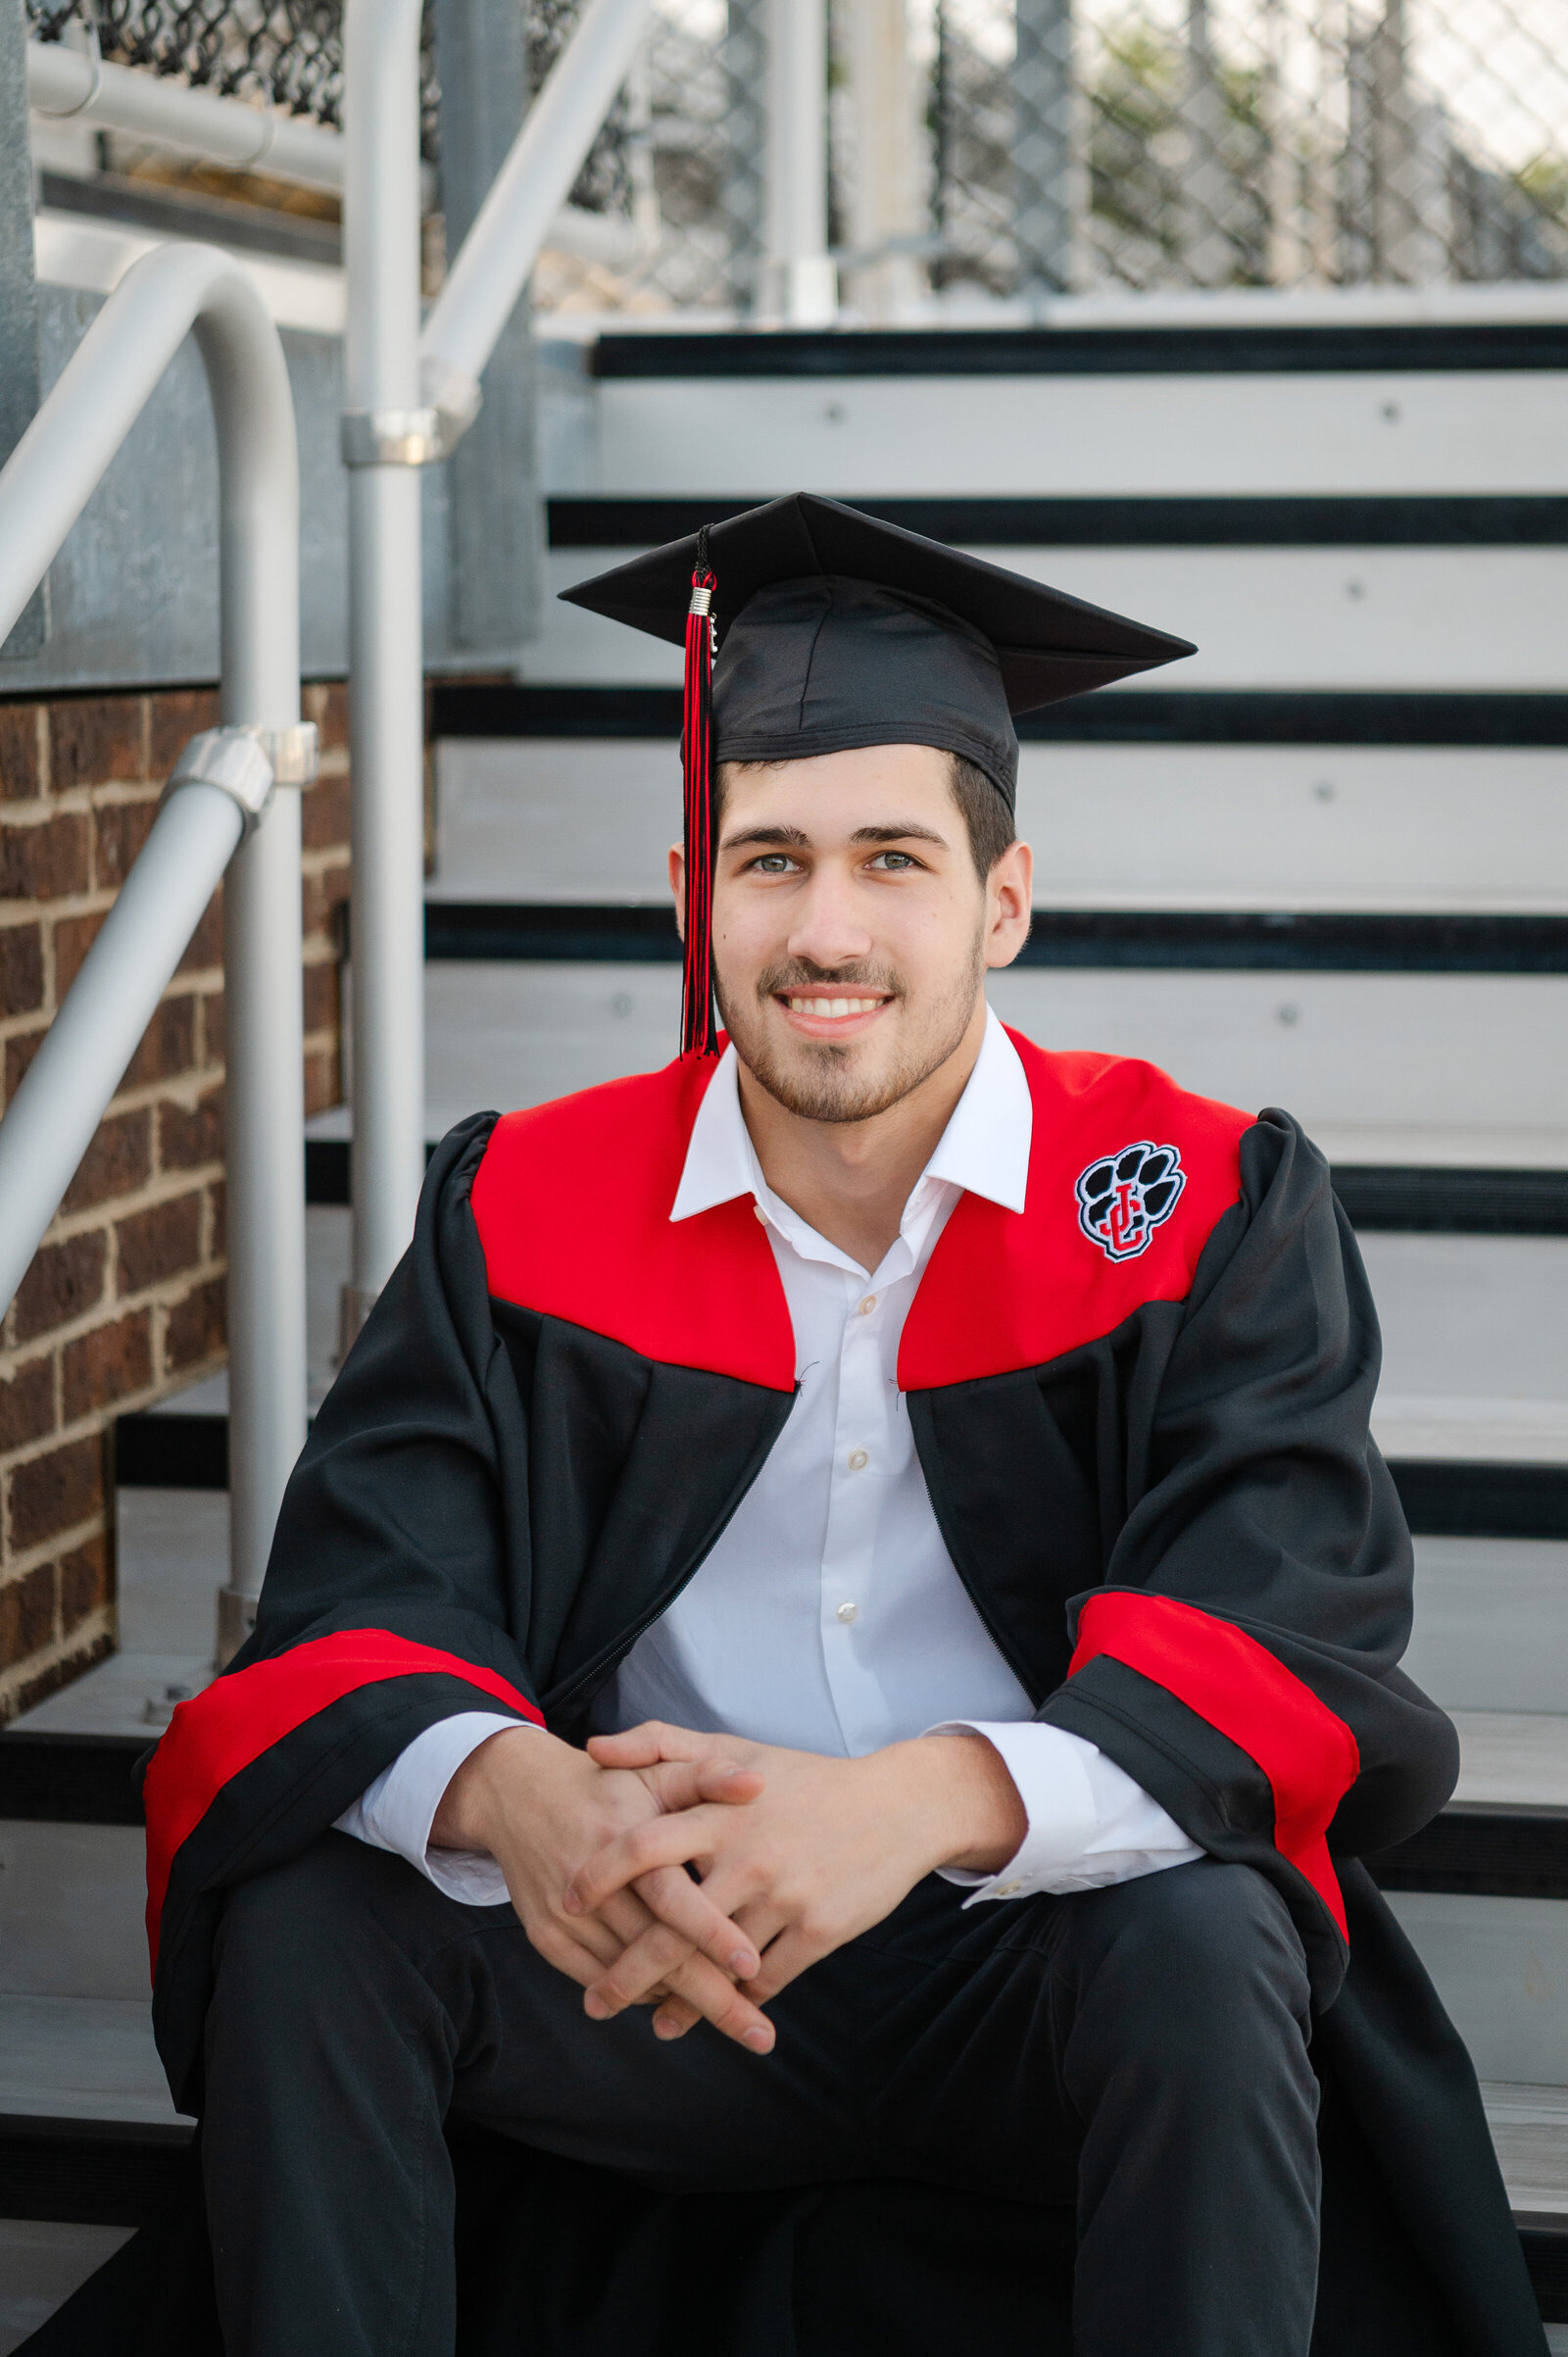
[(987, 819), (986, 815)]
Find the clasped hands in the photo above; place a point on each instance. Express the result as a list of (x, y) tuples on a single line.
[(794, 1854)]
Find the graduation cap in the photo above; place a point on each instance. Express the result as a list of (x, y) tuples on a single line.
[(809, 627)]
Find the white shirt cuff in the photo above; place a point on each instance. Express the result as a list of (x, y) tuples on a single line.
[(397, 1811), (1089, 1823)]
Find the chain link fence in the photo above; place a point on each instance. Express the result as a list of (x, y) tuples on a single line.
[(990, 153)]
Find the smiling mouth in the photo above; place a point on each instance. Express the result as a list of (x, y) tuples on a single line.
[(829, 1009)]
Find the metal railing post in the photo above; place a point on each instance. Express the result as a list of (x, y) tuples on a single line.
[(799, 278), (402, 412), (263, 955), (386, 437), (213, 800)]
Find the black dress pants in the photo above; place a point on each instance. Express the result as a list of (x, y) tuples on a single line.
[(1133, 2059)]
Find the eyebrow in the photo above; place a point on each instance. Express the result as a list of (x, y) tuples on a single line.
[(796, 839)]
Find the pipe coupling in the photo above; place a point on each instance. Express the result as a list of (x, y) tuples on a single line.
[(390, 437), (246, 764)]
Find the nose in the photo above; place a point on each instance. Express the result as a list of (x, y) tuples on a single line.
[(829, 928)]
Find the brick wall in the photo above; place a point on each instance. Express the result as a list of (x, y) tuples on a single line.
[(124, 1301)]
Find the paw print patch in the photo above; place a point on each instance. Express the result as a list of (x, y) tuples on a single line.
[(1126, 1196)]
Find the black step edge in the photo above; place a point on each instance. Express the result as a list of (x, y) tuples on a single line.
[(1162, 941), (1404, 1199), (1543, 2234), (91, 2172), (1354, 519), (62, 1778), (1458, 1498), (1482, 1853), (468, 708), (162, 1448), (120, 2173), (1240, 349)]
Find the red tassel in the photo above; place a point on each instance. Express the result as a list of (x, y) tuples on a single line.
[(698, 1032)]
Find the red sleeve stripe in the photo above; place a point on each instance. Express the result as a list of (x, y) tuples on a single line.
[(1238, 1687), (234, 1720)]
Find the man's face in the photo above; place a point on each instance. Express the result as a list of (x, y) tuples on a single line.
[(850, 932)]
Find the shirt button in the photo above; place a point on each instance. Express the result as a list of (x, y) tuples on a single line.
[(847, 1612), (857, 1460), (760, 1213), (867, 1306), (1008, 1889)]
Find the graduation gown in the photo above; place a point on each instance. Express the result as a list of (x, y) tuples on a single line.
[(1141, 1407)]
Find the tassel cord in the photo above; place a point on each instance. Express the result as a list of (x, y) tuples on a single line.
[(699, 1017)]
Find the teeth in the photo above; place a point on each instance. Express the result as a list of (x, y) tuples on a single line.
[(834, 1006)]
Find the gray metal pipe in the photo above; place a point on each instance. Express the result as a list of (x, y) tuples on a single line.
[(388, 434), (50, 476), (67, 82), (493, 262), (386, 645)]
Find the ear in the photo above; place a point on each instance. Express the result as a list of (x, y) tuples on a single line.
[(1010, 901), (677, 886)]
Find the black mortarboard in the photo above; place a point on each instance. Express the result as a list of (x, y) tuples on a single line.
[(812, 628)]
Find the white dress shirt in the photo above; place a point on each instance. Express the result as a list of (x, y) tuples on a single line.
[(829, 1616)]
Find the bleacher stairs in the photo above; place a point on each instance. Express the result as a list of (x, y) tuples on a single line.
[(1322, 866)]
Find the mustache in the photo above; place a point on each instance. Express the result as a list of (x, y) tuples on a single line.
[(800, 974)]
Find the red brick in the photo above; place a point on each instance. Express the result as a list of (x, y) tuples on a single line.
[(65, 1280), (187, 1139), (106, 1365), (197, 1329), (18, 752), (119, 1161), (206, 947), (94, 740), (86, 1581), (327, 703), (218, 1243), (21, 969), (26, 1614), (168, 1045), (323, 1081), (45, 860), (321, 996), (28, 1403), (177, 716), (120, 829), (55, 1491), (160, 1243), (212, 1027), (325, 813), (49, 1681), (20, 1053), (322, 895), (74, 936)]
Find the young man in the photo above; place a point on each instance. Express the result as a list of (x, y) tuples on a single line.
[(833, 1651)]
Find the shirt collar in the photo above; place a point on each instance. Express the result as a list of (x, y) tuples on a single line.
[(984, 1149)]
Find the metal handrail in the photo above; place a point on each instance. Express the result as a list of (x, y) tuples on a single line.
[(220, 818), (409, 396)]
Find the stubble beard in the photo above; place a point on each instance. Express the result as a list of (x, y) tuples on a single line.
[(816, 1080)]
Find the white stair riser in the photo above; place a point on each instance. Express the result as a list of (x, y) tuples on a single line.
[(893, 436), (1500, 1966), (1380, 1068), (72, 1923), (1483, 1318), (1114, 826), (1490, 1623), (1261, 617), (74, 1894)]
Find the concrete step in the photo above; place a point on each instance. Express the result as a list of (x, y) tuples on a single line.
[(1345, 827), (1113, 411), (1444, 1069)]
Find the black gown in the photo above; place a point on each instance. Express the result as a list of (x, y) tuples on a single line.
[(1141, 1407)]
